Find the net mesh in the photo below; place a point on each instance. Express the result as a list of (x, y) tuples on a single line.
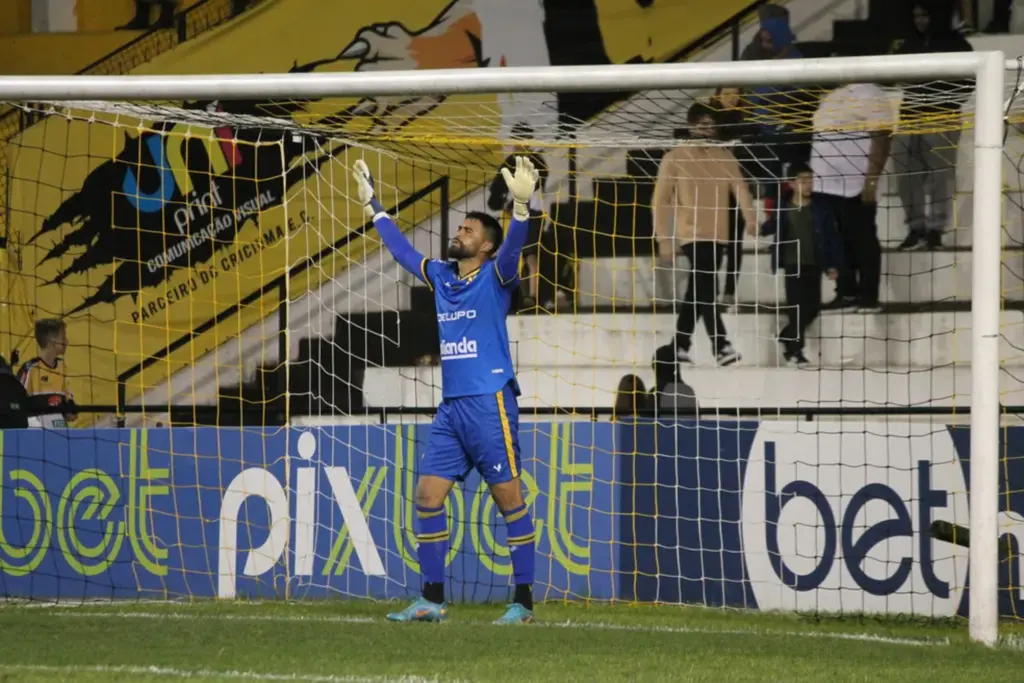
[(213, 256)]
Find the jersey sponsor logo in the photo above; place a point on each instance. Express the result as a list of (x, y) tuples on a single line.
[(455, 316), (458, 350), (841, 520)]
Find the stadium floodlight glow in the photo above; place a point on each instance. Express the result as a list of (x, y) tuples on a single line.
[(107, 97)]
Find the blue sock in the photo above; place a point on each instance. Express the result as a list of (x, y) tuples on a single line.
[(432, 542), (521, 543)]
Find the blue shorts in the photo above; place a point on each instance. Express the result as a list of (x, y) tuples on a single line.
[(475, 431)]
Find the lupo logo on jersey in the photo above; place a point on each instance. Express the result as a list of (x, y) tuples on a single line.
[(170, 200), (840, 520)]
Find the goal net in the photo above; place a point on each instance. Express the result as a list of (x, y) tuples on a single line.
[(743, 338)]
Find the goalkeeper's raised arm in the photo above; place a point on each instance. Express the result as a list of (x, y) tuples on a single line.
[(521, 186), (477, 240)]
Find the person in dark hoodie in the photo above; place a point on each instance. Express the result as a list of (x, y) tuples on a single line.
[(925, 162), (776, 108), (806, 245), (775, 40)]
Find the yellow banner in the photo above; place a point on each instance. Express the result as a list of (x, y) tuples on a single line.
[(158, 242)]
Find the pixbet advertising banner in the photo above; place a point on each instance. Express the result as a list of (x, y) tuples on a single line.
[(770, 515)]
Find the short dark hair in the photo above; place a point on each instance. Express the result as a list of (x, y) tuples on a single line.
[(798, 167), (492, 228), (48, 329), (699, 110)]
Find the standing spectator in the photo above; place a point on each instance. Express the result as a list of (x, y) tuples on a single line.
[(731, 126), (852, 137), (925, 162), (691, 209), (541, 262), (13, 397), (45, 377), (141, 20), (1002, 11), (805, 245)]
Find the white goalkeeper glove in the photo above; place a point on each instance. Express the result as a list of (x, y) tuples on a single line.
[(521, 185), (364, 184)]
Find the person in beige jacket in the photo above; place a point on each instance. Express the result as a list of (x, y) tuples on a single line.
[(691, 216)]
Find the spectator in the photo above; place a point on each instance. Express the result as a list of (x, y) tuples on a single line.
[(1002, 11), (778, 110), (964, 20), (45, 377), (541, 261), (774, 37), (141, 20), (852, 137), (731, 126), (670, 394), (631, 398), (13, 397), (774, 40), (805, 246), (925, 162), (691, 209)]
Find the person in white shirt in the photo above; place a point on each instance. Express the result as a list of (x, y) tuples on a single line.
[(852, 137)]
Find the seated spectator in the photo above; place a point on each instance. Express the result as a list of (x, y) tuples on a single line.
[(805, 246), (141, 20), (670, 394), (631, 398), (764, 44), (45, 376)]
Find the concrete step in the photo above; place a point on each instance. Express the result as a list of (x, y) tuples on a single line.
[(734, 387), (881, 342), (907, 277)]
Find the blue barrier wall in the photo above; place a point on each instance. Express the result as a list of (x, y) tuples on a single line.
[(779, 515)]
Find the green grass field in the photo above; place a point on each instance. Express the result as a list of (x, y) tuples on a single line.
[(350, 641)]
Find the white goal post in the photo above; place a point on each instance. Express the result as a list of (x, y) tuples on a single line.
[(988, 68)]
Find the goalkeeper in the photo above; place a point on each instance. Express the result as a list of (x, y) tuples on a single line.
[(477, 423)]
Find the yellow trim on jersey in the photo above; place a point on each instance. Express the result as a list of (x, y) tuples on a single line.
[(506, 431), (502, 280), (468, 277), (423, 272)]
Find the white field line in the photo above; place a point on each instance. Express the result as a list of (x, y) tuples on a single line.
[(85, 613), (200, 674)]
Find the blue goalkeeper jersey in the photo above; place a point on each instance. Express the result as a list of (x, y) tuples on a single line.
[(471, 311)]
